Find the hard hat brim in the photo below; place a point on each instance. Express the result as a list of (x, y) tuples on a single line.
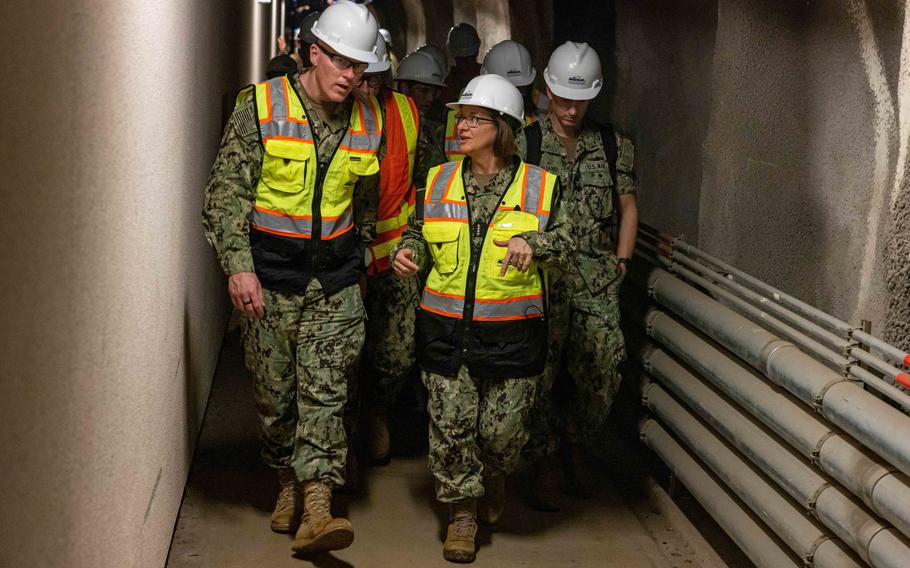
[(356, 55), (424, 81), (456, 106), (571, 94), (378, 67)]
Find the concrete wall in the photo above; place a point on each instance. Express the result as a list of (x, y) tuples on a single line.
[(113, 306), (769, 134)]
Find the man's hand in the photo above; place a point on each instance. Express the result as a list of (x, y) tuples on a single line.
[(246, 294), (518, 255), (281, 44), (404, 267)]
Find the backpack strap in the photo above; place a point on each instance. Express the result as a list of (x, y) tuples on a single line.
[(534, 139), (608, 139)]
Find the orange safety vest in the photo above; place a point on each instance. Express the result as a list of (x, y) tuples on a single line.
[(396, 188)]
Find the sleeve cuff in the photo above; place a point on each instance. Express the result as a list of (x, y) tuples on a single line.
[(241, 261)]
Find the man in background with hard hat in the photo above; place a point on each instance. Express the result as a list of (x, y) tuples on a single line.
[(463, 45), (289, 206), (595, 166), (391, 302), (512, 60), (422, 78)]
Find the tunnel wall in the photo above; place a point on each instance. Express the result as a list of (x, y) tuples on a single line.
[(113, 304), (769, 134)]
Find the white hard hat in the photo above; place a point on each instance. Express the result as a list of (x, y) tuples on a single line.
[(574, 72), (386, 35), (420, 67), (511, 60), (463, 41), (382, 52), (438, 55), (349, 29), (492, 92), (306, 27)]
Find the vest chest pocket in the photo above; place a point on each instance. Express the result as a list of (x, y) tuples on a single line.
[(442, 240), (505, 226), (285, 164)]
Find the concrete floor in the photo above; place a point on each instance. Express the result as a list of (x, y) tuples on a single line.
[(224, 518)]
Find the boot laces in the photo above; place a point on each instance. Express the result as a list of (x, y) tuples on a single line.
[(318, 500), (464, 523)]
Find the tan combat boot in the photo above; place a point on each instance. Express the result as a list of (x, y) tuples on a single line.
[(318, 531), (284, 516), (490, 506), (459, 545), (378, 439)]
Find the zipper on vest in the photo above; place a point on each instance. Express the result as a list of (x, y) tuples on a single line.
[(479, 230), (320, 176)]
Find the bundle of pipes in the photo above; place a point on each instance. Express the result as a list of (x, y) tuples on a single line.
[(833, 341), (796, 471)]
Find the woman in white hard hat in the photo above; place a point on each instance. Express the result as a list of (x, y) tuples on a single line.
[(488, 226)]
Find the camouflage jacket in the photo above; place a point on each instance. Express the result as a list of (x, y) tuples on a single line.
[(430, 148), (231, 190), (482, 203), (587, 200)]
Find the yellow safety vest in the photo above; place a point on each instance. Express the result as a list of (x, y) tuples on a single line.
[(299, 202), (396, 189), (524, 207)]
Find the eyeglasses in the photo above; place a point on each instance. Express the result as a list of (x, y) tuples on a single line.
[(374, 81), (471, 121), (343, 63)]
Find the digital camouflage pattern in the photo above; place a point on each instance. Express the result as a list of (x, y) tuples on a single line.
[(299, 354), (430, 148), (584, 309), (391, 304), (476, 429)]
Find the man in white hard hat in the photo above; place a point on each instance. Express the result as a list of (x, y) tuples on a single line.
[(595, 166), (289, 208), (421, 78), (391, 302), (512, 60)]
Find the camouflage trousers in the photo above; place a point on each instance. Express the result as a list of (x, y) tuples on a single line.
[(582, 374), (391, 305), (299, 354), (477, 428)]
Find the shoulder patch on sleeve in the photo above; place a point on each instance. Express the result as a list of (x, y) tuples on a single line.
[(625, 157), (245, 119)]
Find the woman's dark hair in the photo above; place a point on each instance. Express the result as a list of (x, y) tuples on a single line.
[(504, 144)]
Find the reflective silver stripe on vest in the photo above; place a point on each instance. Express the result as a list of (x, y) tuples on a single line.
[(533, 188), (434, 208), (345, 221), (280, 125), (369, 140), (284, 224), (433, 302), (520, 308)]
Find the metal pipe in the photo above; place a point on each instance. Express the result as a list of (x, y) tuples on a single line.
[(814, 492), (839, 344), (762, 547), (882, 428), (896, 354), (777, 295), (884, 490), (886, 369), (795, 335)]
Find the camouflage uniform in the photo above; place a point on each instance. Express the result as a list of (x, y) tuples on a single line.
[(300, 351), (585, 339), (477, 426)]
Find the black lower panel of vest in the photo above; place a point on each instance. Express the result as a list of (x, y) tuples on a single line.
[(285, 263), (495, 350)]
